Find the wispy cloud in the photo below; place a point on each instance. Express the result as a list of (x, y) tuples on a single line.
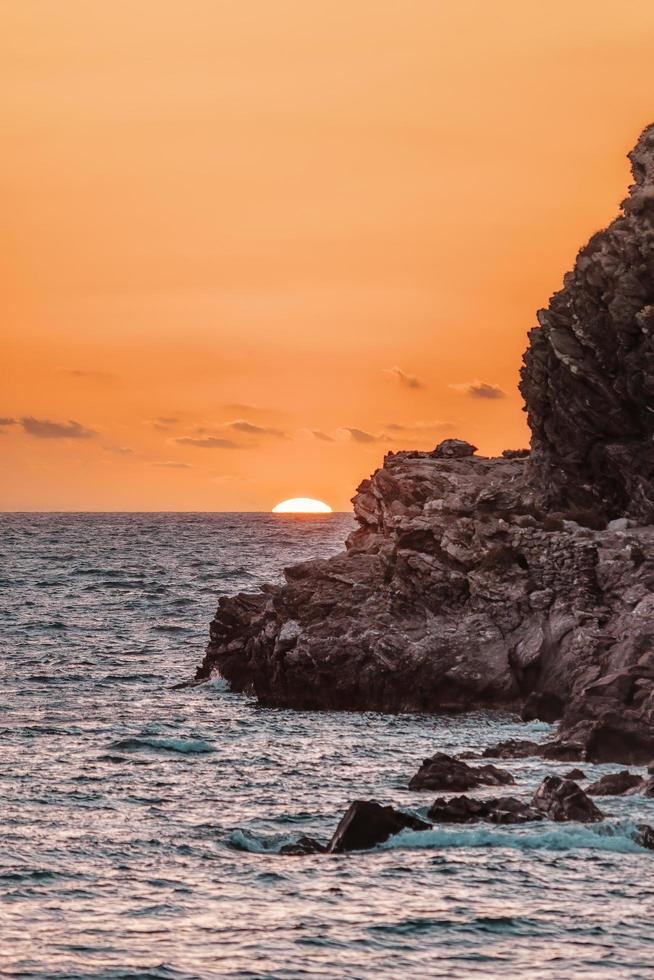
[(46, 429), (170, 464), (479, 389), (7, 421), (321, 436), (360, 435), (102, 377), (119, 450), (241, 425), (413, 428), (405, 380), (163, 423), (208, 442)]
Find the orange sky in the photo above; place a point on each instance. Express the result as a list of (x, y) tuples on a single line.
[(220, 212)]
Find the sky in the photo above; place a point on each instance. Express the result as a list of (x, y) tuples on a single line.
[(252, 245)]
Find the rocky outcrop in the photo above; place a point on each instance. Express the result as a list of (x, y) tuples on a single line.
[(501, 810), (588, 375), (561, 799), (615, 784), (367, 823), (475, 582), (441, 771)]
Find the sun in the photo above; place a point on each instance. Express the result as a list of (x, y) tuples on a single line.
[(302, 505)]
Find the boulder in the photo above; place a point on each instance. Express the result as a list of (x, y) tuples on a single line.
[(367, 823), (575, 774), (561, 799), (442, 771), (615, 784)]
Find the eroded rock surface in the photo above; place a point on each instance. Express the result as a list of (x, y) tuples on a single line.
[(367, 823), (525, 580), (441, 771), (561, 799), (588, 375)]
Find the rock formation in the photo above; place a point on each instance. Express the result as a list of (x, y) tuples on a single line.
[(476, 582), (588, 375)]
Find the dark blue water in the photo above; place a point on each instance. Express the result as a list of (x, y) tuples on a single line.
[(140, 826)]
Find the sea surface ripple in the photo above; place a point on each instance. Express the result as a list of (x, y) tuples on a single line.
[(141, 826)]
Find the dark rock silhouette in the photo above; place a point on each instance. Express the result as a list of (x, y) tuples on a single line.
[(441, 771), (366, 823), (588, 375), (501, 810), (304, 845), (474, 582), (561, 799), (615, 784)]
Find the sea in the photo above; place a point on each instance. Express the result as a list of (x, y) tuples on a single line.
[(141, 826)]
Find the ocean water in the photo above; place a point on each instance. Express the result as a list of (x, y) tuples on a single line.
[(141, 826)]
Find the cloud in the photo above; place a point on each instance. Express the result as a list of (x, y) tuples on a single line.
[(240, 425), (45, 429), (240, 407), (209, 442), (479, 389), (405, 380), (172, 465), (8, 421), (119, 450), (321, 436), (359, 435), (436, 425), (163, 423), (102, 376)]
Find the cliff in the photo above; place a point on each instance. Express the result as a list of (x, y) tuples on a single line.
[(525, 580)]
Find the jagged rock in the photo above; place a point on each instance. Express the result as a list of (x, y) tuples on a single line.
[(615, 784), (575, 774), (444, 772), (454, 448), (645, 836), (501, 810), (561, 799), (304, 845), (474, 582), (588, 375), (366, 823)]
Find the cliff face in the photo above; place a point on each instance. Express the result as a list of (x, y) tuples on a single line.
[(497, 582), (588, 375), (455, 592)]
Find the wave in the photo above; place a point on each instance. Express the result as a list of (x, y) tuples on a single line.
[(619, 836), (184, 745)]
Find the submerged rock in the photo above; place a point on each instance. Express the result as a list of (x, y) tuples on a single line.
[(561, 799), (442, 771), (304, 845), (367, 823), (501, 810)]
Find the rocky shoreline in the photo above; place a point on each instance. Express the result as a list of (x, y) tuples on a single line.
[(524, 581)]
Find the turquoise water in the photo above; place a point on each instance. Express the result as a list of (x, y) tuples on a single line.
[(141, 826)]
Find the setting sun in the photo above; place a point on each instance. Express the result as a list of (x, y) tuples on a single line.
[(302, 505)]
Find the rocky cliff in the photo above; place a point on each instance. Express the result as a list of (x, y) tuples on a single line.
[(588, 375), (498, 582)]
